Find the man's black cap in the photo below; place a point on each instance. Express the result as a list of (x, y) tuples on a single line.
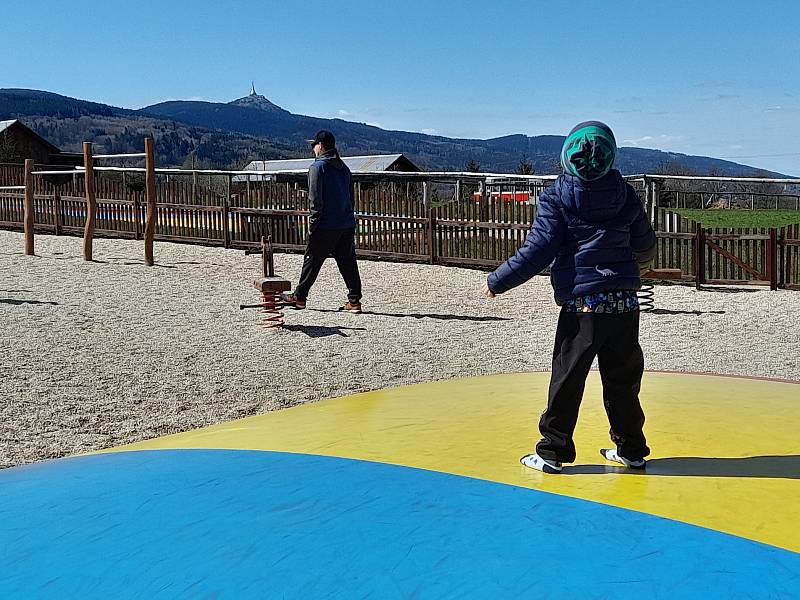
[(324, 136)]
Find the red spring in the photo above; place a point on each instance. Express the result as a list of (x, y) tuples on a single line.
[(271, 310)]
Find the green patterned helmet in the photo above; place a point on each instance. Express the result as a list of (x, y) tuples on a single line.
[(589, 150)]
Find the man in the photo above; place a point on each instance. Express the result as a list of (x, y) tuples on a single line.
[(332, 223)]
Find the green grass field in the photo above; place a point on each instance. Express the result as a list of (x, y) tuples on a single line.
[(742, 218)]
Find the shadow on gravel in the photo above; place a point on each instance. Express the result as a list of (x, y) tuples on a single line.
[(141, 262), (664, 311), (774, 467), (423, 316), (14, 302), (733, 290), (75, 258), (318, 331)]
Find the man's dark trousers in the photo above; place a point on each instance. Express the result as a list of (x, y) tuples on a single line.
[(322, 243), (614, 339)]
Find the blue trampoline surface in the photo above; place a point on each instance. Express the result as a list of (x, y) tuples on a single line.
[(255, 524)]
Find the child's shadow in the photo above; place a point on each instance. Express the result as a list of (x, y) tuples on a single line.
[(779, 467)]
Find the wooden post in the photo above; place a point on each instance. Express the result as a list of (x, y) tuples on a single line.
[(226, 229), (648, 199), (655, 194), (432, 235), (772, 259), (28, 207), (58, 209), (699, 257), (194, 182), (150, 190), (137, 216), (91, 201)]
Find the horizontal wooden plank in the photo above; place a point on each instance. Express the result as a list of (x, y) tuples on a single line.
[(671, 235), (189, 240), (482, 224), (736, 236), (190, 207), (757, 282), (268, 212)]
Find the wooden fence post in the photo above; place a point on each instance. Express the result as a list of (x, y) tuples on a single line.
[(150, 190), (226, 228), (699, 257), (772, 259), (91, 201), (655, 196), (432, 234), (28, 208), (58, 209)]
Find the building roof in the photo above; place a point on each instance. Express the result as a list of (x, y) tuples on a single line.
[(6, 124), (11, 122), (377, 162)]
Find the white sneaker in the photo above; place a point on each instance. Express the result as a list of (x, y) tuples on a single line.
[(612, 455), (534, 461)]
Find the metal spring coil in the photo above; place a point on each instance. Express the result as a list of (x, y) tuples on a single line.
[(646, 299), (272, 315)]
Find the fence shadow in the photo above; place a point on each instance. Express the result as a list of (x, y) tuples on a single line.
[(769, 467), (318, 331), (732, 290), (666, 311), (15, 302)]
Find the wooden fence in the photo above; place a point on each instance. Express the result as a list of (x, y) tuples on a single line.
[(469, 220)]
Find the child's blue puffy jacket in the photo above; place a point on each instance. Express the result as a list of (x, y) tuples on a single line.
[(596, 231)]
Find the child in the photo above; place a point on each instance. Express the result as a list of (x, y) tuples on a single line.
[(594, 226)]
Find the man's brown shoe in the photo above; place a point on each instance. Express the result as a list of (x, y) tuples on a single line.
[(351, 307)]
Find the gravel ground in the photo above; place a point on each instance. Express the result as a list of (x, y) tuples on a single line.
[(104, 353)]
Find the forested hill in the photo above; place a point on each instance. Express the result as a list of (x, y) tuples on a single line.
[(253, 128)]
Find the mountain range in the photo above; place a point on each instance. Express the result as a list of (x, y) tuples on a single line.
[(228, 135)]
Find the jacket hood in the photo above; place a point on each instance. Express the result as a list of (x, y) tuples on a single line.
[(593, 201), (332, 158)]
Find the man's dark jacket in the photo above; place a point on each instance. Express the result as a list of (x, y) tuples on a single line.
[(330, 193), (596, 231)]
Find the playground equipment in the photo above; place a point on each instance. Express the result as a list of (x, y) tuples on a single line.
[(88, 172), (270, 287), (645, 293)]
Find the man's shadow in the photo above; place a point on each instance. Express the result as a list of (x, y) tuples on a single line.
[(770, 467)]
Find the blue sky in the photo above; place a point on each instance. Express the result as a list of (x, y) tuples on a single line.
[(713, 78)]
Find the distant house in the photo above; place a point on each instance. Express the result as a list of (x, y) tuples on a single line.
[(18, 142), (378, 162)]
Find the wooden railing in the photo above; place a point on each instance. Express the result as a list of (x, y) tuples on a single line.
[(470, 220)]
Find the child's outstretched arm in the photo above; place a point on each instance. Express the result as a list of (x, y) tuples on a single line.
[(541, 246)]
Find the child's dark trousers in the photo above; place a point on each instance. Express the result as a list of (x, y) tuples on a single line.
[(614, 339)]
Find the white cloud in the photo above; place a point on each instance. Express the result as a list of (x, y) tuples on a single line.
[(651, 140), (430, 131), (637, 141), (341, 113), (782, 109)]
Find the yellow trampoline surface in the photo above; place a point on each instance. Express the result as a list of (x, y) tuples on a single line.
[(418, 492)]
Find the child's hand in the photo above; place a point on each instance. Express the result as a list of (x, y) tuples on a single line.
[(486, 291)]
